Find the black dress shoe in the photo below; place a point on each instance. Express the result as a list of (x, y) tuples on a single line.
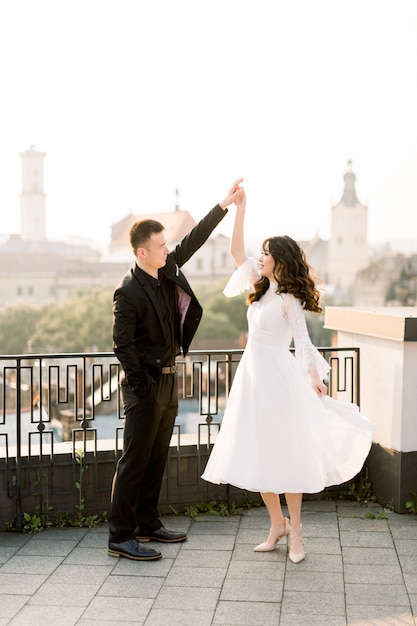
[(133, 549), (161, 534)]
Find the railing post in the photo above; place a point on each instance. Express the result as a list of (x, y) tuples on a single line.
[(18, 444)]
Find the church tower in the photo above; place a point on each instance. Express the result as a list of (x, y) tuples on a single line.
[(348, 246), (32, 197)]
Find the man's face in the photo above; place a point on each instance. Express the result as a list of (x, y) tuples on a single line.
[(154, 255)]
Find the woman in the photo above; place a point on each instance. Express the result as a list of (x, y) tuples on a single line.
[(281, 433)]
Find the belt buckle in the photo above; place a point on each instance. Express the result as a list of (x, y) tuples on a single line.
[(173, 369)]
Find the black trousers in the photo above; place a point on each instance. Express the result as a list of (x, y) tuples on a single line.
[(148, 426)]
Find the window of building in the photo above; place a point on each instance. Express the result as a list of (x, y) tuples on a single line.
[(199, 265)]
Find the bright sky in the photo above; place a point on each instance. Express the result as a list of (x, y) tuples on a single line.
[(132, 98)]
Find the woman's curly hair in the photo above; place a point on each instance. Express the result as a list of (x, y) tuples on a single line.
[(292, 272)]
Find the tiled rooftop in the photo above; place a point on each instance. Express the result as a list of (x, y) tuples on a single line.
[(360, 568)]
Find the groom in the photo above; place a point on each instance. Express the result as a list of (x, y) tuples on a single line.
[(155, 317)]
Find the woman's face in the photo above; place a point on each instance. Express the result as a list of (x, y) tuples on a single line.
[(267, 263)]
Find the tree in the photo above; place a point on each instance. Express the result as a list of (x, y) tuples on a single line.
[(223, 318), (81, 324), (17, 325)]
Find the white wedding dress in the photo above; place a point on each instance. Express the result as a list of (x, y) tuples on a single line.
[(277, 435)]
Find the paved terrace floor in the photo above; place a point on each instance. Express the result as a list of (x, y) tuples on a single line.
[(361, 568)]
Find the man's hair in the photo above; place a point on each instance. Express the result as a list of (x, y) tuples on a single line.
[(141, 232)]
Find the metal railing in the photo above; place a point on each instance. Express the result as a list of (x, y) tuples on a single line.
[(64, 410)]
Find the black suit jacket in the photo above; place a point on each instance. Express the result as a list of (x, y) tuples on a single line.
[(138, 337)]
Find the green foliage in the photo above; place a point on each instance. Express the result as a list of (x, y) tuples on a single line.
[(223, 318), (32, 523), (360, 491), (81, 324), (213, 507), (35, 523), (411, 505), (320, 336), (17, 325)]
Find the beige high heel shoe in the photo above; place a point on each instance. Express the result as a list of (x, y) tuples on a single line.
[(297, 553), (274, 536)]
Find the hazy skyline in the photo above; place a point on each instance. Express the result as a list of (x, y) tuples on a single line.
[(132, 99)]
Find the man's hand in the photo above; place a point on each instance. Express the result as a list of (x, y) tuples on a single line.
[(234, 193)]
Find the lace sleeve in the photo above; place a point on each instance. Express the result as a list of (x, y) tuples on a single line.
[(242, 278), (306, 354)]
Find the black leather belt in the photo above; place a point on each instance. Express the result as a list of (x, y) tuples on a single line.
[(170, 369)]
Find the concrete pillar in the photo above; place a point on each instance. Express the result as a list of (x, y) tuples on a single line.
[(387, 340)]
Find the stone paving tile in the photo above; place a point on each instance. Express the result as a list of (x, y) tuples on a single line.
[(406, 546), (259, 522), (21, 584), (325, 506), (102, 622), (364, 615), (251, 590), (322, 530), (13, 539), (116, 610), (357, 524), (203, 558), (84, 574), (31, 564), (365, 573), (313, 619), (413, 601), (198, 598), (210, 542), (216, 578), (317, 603), (321, 545), (60, 594), (212, 528), (127, 567), (374, 594), (319, 563), (411, 582), (168, 550), (11, 604), (231, 613), (89, 556), (408, 563), (256, 571), (326, 582), (6, 553), (404, 531), (162, 617), (131, 587), (196, 577), (57, 547), (70, 533), (94, 540), (365, 539), (38, 616), (376, 556)]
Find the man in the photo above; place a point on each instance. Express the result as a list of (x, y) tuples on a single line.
[(155, 316)]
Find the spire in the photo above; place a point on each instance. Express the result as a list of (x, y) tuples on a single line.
[(349, 197), (177, 199)]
